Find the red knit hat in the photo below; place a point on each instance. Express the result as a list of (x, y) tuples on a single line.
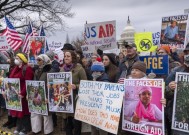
[(166, 48)]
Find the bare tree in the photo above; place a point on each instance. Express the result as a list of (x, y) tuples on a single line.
[(78, 42), (50, 13)]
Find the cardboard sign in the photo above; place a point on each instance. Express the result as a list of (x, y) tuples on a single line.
[(156, 64), (99, 104), (88, 50)]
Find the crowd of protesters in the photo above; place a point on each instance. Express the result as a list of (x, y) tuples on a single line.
[(106, 67)]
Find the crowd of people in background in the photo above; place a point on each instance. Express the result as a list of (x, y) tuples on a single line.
[(106, 67)]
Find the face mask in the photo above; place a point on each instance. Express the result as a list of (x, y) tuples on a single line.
[(96, 75), (16, 62), (186, 60)]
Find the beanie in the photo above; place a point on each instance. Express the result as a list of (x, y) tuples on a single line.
[(44, 58), (97, 66), (140, 66), (166, 48), (22, 57), (50, 54)]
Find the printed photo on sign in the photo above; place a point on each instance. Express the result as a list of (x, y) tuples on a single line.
[(173, 30), (99, 104), (142, 111), (60, 93), (101, 34), (36, 97), (12, 90), (4, 69), (180, 119), (36, 47)]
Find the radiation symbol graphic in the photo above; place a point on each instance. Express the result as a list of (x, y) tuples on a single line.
[(145, 44)]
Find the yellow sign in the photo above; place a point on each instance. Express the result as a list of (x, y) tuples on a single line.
[(144, 42)]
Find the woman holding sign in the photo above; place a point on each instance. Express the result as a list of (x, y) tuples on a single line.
[(78, 73), (19, 71)]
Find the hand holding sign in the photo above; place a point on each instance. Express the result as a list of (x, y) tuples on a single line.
[(172, 85), (135, 118)]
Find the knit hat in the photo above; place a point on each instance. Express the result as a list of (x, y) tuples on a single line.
[(22, 57), (140, 66), (68, 46), (145, 88), (166, 48), (50, 54), (98, 66), (44, 58), (111, 57)]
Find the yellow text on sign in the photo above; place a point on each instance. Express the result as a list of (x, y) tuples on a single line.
[(154, 62)]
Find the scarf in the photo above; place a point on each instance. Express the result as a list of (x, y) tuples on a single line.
[(145, 113), (68, 68)]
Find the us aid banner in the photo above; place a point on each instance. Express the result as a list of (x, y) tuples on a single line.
[(142, 111), (101, 34), (173, 30), (12, 90), (36, 97), (99, 104), (60, 94), (156, 64), (181, 103)]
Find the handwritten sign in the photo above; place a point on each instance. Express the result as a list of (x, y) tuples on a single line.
[(99, 104), (156, 38), (102, 34), (156, 64), (88, 50), (181, 100), (3, 43), (138, 118)]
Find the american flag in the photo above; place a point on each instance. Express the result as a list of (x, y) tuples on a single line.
[(42, 33), (13, 38), (31, 31)]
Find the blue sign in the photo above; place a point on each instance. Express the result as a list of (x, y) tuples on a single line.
[(156, 64)]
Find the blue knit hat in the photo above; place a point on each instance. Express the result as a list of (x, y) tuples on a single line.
[(97, 66)]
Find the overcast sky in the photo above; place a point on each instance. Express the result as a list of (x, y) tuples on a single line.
[(144, 14)]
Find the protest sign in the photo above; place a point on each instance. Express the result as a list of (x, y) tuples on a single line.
[(4, 69), (173, 30), (60, 94), (144, 42), (88, 50), (59, 55), (142, 111), (12, 89), (156, 38), (99, 104), (36, 47), (156, 64), (36, 97), (102, 35), (181, 103), (3, 43), (115, 51), (53, 45)]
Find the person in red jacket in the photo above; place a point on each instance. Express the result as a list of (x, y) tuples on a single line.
[(19, 71)]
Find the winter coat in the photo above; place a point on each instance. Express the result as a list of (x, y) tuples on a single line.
[(126, 66), (55, 66), (103, 78), (19, 73), (41, 75)]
